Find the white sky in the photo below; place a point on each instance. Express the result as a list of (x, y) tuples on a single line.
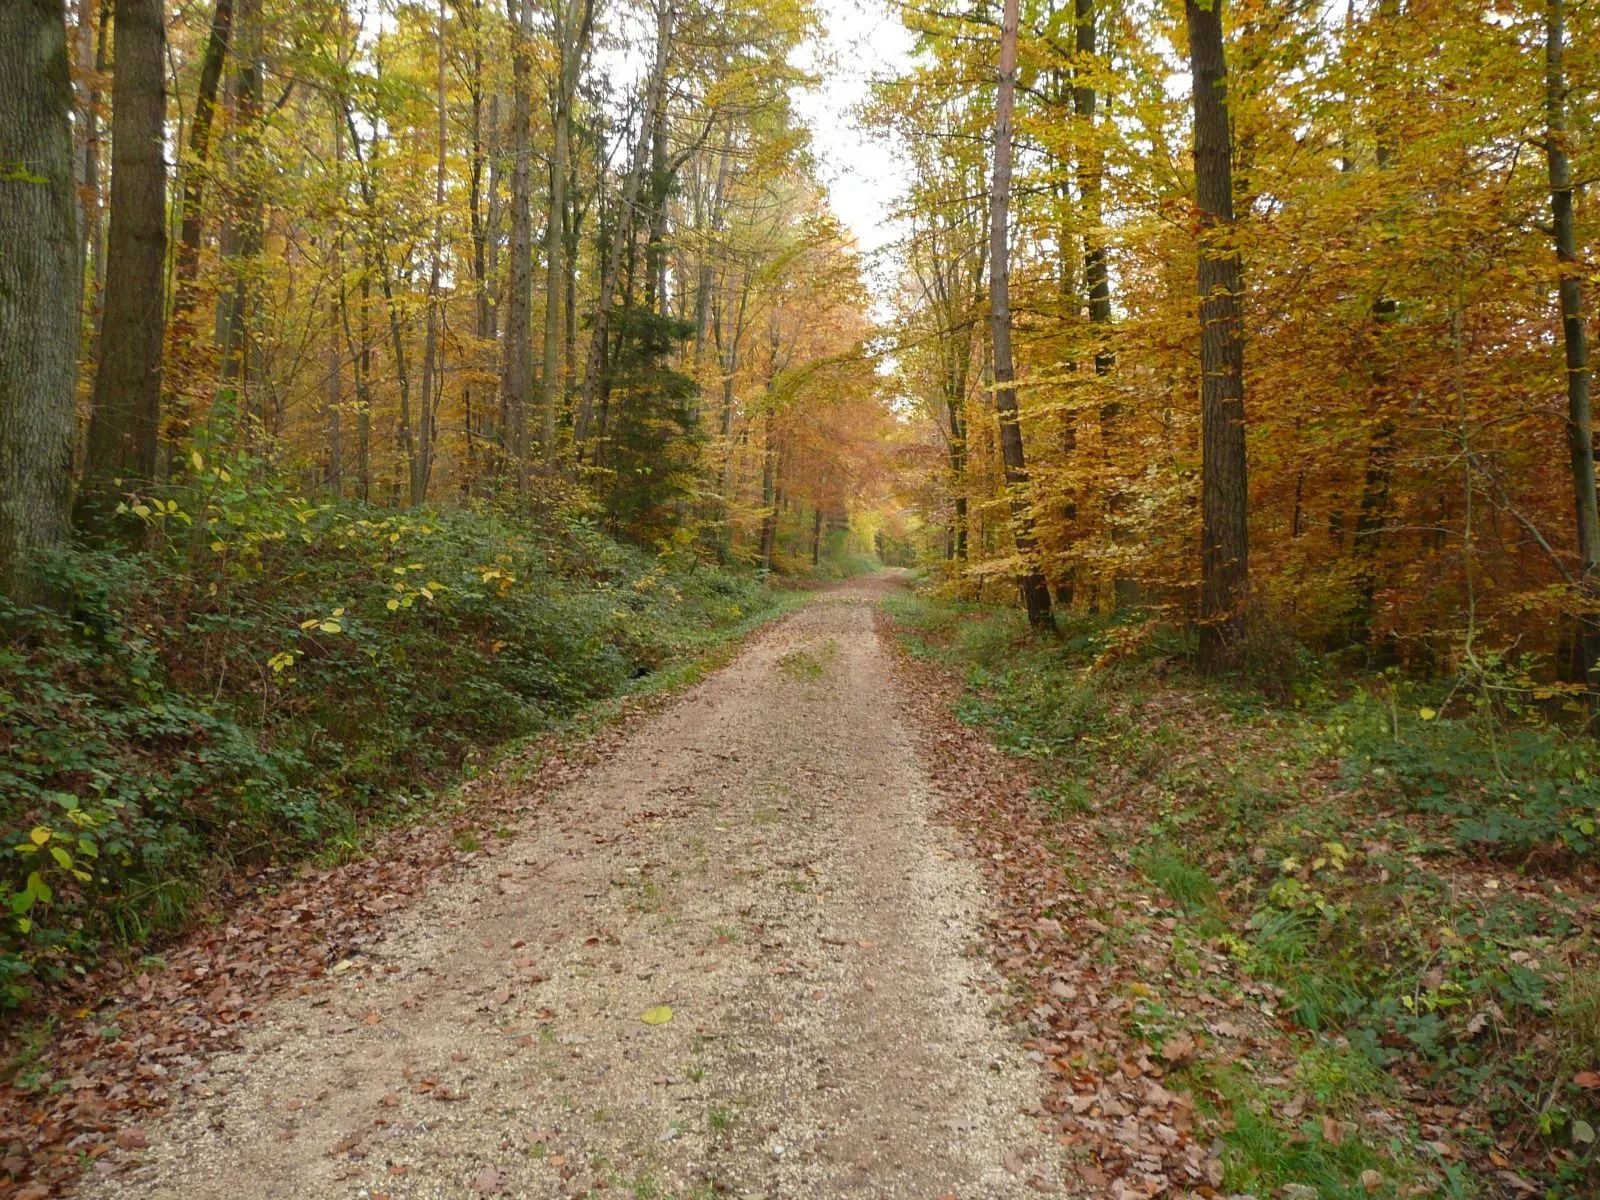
[(865, 176)]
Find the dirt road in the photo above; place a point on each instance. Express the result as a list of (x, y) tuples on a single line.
[(761, 861)]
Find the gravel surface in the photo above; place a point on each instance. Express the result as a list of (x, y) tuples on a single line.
[(760, 860)]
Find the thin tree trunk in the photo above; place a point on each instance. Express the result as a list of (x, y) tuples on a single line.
[(242, 243), (432, 384), (516, 376), (655, 96), (125, 417), (1035, 593), (1224, 494), (1372, 518), (702, 291), (1580, 418), (769, 492), (184, 358), (479, 237), (40, 290), (572, 38), (86, 129), (93, 233), (332, 399)]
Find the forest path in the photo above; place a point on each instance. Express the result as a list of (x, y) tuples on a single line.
[(760, 856)]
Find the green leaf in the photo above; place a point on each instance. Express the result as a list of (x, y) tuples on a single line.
[(659, 1015), (40, 835), (61, 857), (1582, 1132)]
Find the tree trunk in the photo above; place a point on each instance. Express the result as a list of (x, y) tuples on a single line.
[(1224, 492), (241, 242), (40, 290), (183, 359), (518, 370), (1035, 593), (92, 234), (1580, 423), (125, 418), (432, 381), (331, 402), (816, 535), (572, 37), (1376, 507), (655, 96), (769, 492)]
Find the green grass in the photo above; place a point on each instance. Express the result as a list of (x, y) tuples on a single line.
[(279, 678), (1333, 833)]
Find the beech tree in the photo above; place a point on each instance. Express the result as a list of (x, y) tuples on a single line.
[(39, 289), (1224, 493), (1574, 338), (125, 420), (1035, 593)]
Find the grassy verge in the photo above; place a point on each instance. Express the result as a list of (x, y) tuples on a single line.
[(270, 681), (1400, 885)]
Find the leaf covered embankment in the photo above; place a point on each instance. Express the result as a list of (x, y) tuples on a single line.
[(1344, 942), (270, 677)]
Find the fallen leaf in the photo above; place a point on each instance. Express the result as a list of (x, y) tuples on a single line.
[(659, 1015), (487, 1182), (131, 1137), (1178, 1049)]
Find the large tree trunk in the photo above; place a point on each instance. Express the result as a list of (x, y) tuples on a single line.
[(40, 284), (518, 369), (125, 420), (1035, 593), (1580, 423), (1224, 493), (184, 361)]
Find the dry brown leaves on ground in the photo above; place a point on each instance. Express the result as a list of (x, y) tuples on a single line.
[(125, 1034), (1083, 950)]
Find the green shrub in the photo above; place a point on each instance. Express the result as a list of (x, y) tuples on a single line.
[(270, 673)]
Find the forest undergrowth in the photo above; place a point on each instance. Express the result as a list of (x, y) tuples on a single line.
[(271, 678), (1354, 918)]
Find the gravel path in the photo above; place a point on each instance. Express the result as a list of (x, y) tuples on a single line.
[(761, 859)]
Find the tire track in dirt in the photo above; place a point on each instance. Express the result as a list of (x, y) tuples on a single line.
[(762, 858)]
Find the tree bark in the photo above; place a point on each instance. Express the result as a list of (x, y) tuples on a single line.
[(40, 290), (1035, 593), (125, 417), (518, 369), (572, 37), (1580, 417), (432, 375), (242, 236), (184, 359), (655, 96), (1224, 492)]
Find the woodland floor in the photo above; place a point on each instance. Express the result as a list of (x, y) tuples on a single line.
[(765, 857)]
